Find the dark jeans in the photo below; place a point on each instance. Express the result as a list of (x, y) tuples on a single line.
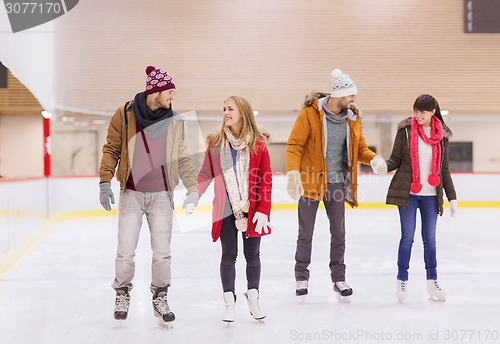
[(335, 210), (251, 250), (408, 217)]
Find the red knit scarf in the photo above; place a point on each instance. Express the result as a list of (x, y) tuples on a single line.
[(434, 140)]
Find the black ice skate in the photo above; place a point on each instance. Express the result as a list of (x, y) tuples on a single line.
[(122, 302), (343, 291), (161, 308), (301, 288)]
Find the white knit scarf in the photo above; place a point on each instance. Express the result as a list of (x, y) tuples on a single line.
[(237, 184)]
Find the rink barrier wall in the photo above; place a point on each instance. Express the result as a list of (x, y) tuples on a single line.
[(29, 206)]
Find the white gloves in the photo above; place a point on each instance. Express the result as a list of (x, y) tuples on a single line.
[(294, 185), (379, 166), (262, 223), (453, 207)]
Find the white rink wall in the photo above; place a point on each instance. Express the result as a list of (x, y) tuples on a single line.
[(25, 204), (68, 195), (23, 208)]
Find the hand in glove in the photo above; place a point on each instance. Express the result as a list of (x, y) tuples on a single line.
[(190, 202), (294, 185), (106, 195), (262, 223), (453, 207), (379, 166)]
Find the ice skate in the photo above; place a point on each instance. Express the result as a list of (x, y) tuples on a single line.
[(122, 303), (301, 288), (401, 290), (435, 292), (161, 309), (252, 296), (229, 300), (343, 291)]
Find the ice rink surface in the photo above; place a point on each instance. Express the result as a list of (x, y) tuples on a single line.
[(59, 291)]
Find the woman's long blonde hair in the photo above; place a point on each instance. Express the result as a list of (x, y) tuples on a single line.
[(249, 125)]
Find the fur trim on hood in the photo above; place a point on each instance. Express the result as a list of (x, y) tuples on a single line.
[(315, 95), (407, 123)]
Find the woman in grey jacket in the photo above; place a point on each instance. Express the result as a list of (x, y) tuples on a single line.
[(420, 155)]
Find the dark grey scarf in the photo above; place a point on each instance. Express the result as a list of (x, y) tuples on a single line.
[(144, 115)]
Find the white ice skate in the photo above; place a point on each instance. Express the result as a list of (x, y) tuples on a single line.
[(252, 296), (229, 300), (343, 291), (435, 292), (401, 290), (162, 310)]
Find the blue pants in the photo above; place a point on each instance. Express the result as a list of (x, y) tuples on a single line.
[(408, 217)]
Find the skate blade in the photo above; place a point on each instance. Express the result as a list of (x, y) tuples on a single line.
[(401, 299), (435, 299), (343, 299), (261, 320), (165, 324), (301, 298), (227, 324)]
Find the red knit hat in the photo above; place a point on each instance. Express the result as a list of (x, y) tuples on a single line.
[(158, 80)]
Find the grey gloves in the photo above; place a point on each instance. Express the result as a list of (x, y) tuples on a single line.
[(190, 202), (106, 196)]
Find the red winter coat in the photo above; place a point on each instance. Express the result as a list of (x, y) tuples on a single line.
[(259, 188)]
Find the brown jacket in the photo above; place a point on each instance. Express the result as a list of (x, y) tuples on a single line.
[(119, 150), (306, 150), (399, 189)]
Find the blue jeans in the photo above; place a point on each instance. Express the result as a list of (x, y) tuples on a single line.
[(408, 217)]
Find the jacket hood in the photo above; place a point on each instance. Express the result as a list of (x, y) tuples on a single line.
[(314, 96), (447, 133)]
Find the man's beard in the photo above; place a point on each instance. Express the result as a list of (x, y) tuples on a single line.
[(345, 106)]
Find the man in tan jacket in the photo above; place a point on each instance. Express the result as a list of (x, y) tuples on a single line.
[(324, 148), (146, 139)]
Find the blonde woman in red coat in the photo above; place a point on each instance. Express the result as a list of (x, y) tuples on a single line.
[(238, 161)]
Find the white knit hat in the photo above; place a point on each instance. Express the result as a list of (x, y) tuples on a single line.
[(342, 85)]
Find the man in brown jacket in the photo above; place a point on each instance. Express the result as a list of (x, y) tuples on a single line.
[(146, 139), (324, 148)]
